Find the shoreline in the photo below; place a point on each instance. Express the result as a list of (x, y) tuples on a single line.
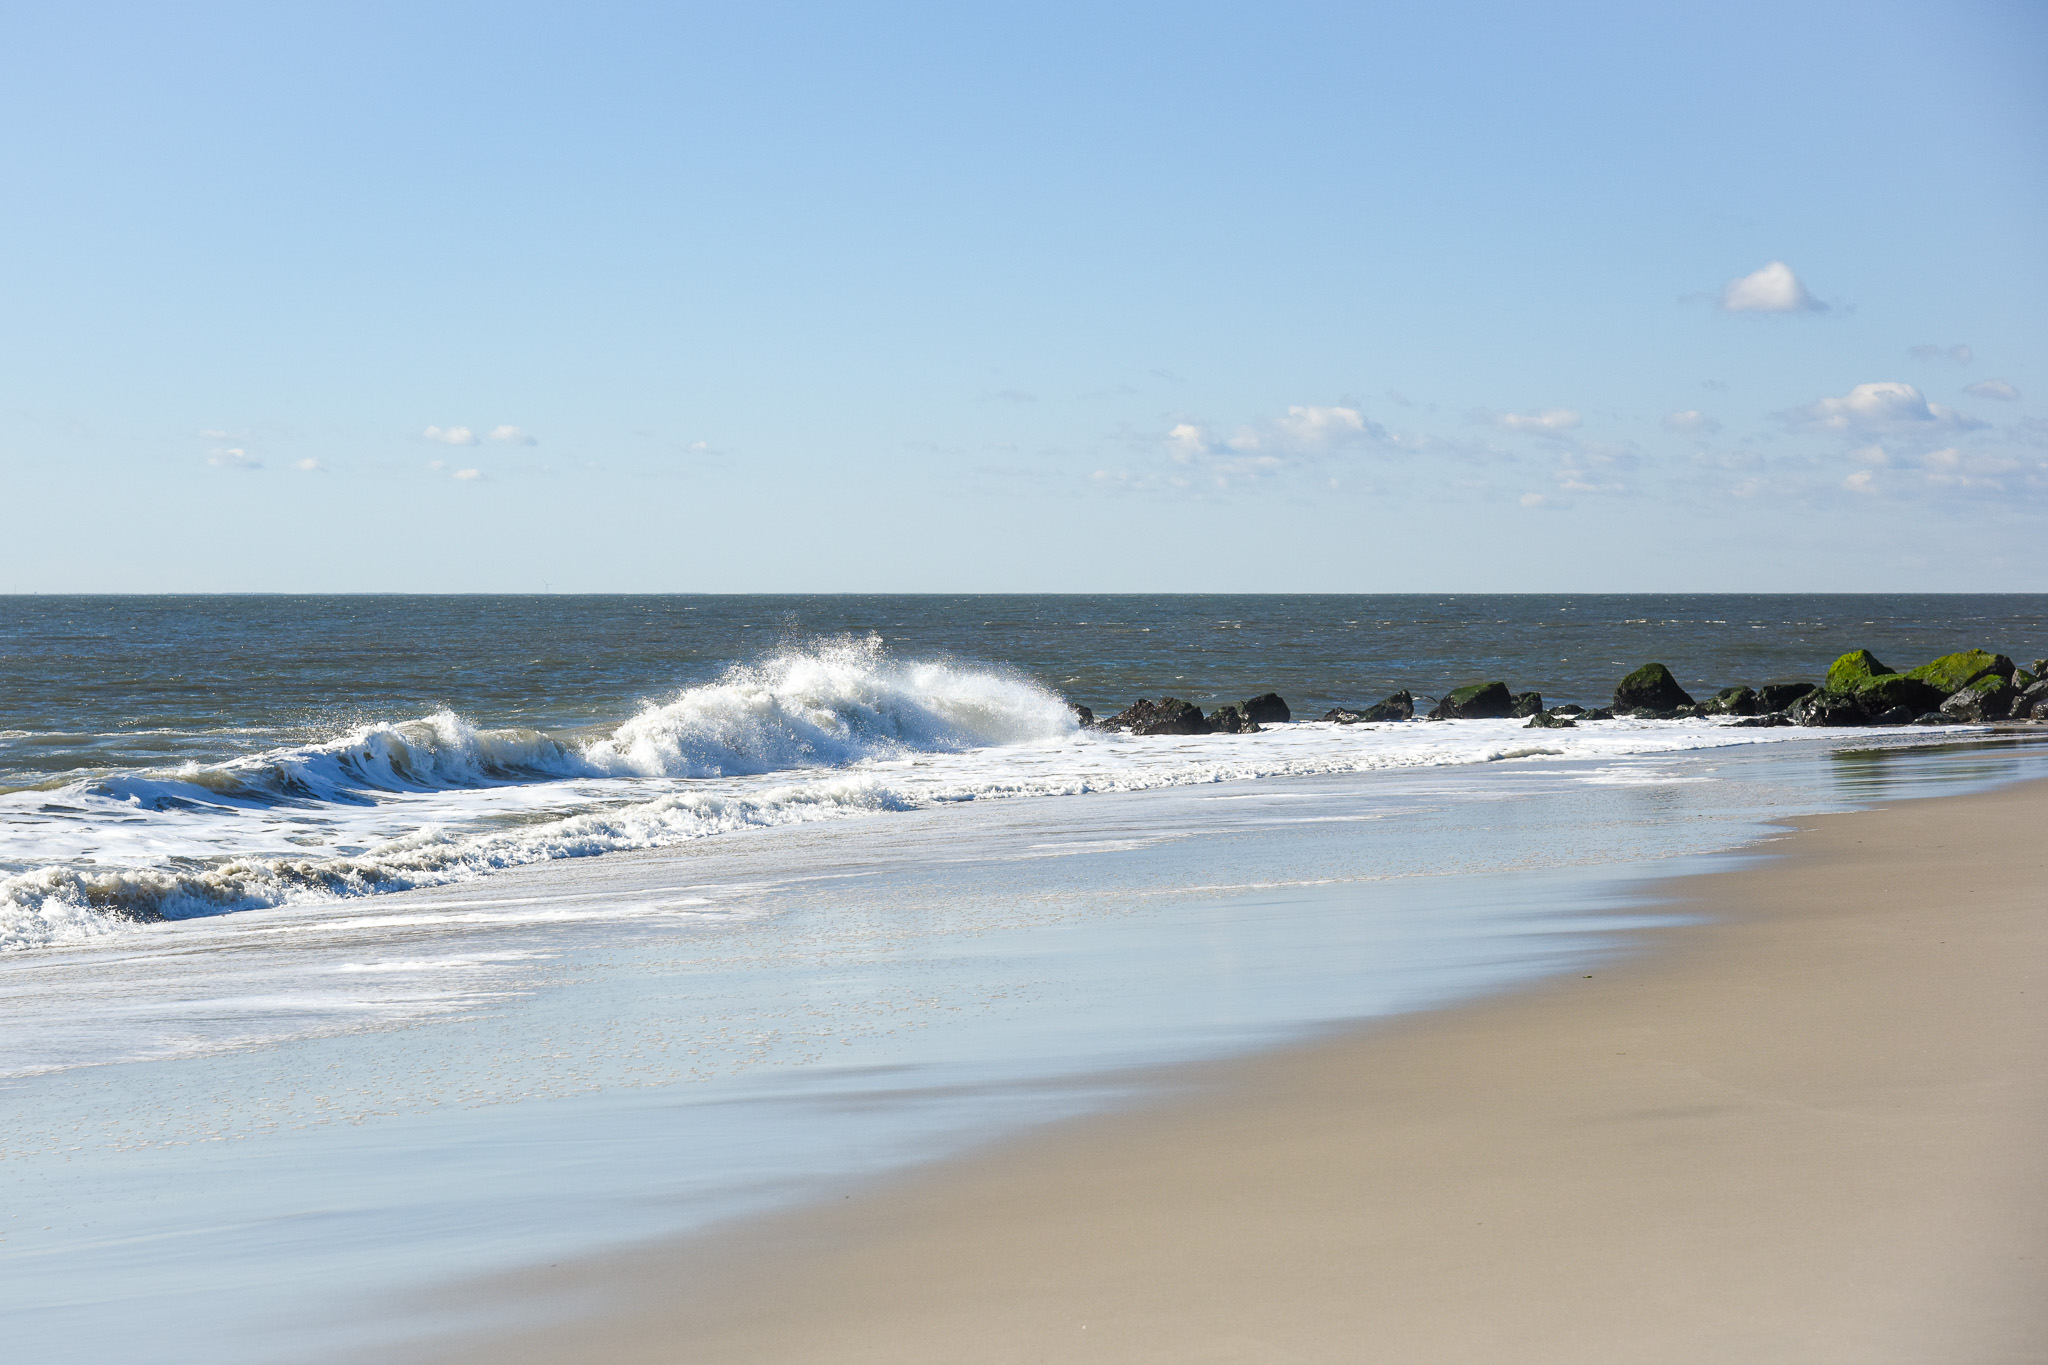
[(1804, 1127)]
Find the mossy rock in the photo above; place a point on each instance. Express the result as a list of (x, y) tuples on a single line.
[(1544, 720), (1890, 690), (1650, 688), (1853, 668), (1475, 701), (1526, 704), (1988, 698), (1951, 673)]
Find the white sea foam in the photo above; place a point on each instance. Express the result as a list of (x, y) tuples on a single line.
[(830, 732)]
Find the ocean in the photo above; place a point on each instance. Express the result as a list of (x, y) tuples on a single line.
[(356, 949)]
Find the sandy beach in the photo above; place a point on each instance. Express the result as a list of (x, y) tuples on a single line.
[(1805, 1127)]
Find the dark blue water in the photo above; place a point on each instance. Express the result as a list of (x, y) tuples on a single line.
[(115, 682)]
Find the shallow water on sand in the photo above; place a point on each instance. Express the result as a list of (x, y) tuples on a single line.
[(365, 1100)]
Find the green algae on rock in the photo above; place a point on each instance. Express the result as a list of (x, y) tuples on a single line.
[(1475, 701), (1650, 688), (1852, 668), (1951, 673)]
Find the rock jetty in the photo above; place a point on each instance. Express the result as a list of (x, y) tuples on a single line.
[(1972, 686)]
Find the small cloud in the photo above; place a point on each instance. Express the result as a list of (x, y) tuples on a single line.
[(233, 459), (1994, 388), (1549, 421), (1535, 500), (1773, 289), (509, 435), (1314, 428), (451, 436), (1860, 481), (309, 465), (1878, 407), (468, 475), (1186, 441), (1960, 354), (437, 465), (1691, 422)]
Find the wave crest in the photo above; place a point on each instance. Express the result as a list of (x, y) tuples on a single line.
[(826, 706)]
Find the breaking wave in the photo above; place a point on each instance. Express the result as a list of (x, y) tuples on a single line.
[(832, 705)]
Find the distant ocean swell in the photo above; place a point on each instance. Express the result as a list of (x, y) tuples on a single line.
[(412, 803)]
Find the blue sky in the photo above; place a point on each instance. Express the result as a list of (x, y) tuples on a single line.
[(1189, 297)]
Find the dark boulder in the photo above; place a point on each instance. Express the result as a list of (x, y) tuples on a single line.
[(1228, 720), (1268, 708), (1568, 709), (1935, 718), (1546, 720), (1897, 715), (1083, 715), (1171, 716), (1650, 688), (1951, 673), (1852, 668), (1827, 707), (1765, 721), (2027, 704), (1174, 717), (1526, 704), (1598, 713), (1475, 701), (1779, 695), (1732, 701), (1987, 699), (1400, 706)]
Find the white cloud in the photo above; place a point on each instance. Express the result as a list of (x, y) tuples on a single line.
[(233, 459), (451, 436), (1313, 428), (1549, 421), (1860, 481), (1883, 406), (309, 465), (1773, 289), (1186, 441), (1535, 500), (509, 435), (468, 475), (1303, 430), (1994, 388), (1959, 353), (1691, 422)]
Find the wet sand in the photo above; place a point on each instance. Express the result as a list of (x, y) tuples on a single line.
[(1811, 1127)]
